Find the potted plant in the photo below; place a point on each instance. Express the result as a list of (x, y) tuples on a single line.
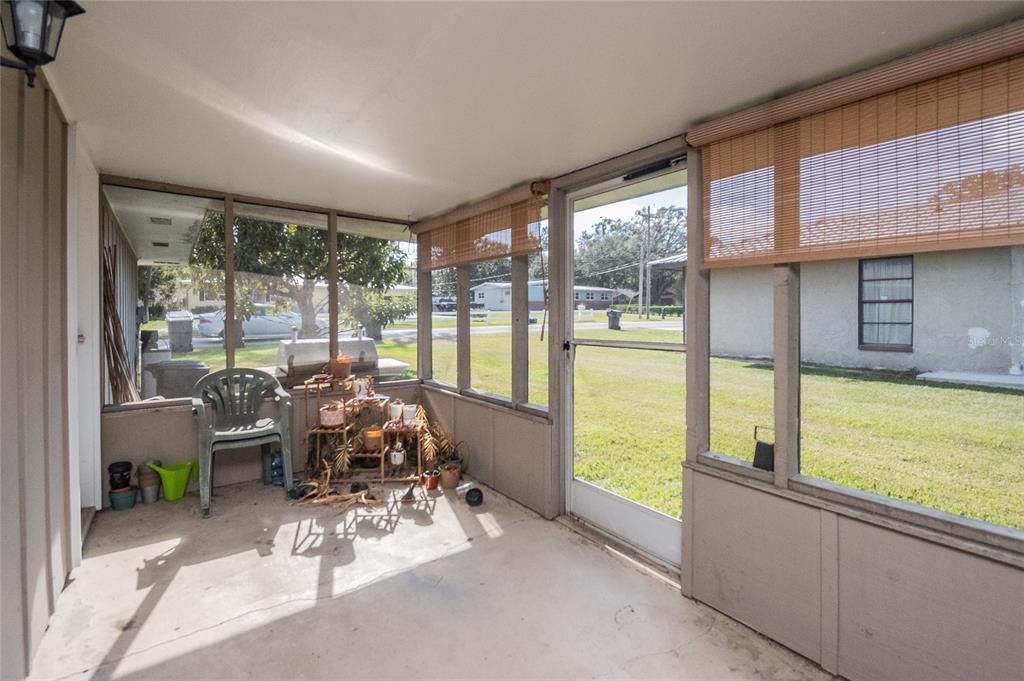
[(332, 415), (450, 462), (441, 455)]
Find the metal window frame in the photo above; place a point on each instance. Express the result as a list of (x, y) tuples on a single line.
[(861, 301)]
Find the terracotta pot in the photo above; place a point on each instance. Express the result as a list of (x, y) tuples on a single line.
[(373, 439), (432, 478), (450, 475), (341, 366)]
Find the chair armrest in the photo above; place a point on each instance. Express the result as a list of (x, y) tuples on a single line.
[(282, 394), (199, 409)]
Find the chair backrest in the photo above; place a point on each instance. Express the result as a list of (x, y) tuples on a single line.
[(235, 395)]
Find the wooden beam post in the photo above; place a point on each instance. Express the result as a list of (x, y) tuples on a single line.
[(229, 283), (698, 316), (787, 373), (520, 329), (424, 317), (332, 281), (462, 326), (697, 326), (559, 332)]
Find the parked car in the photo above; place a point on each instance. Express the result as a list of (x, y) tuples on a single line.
[(444, 304), (263, 324)]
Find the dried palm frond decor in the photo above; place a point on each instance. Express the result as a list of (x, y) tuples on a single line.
[(436, 445), (320, 490)]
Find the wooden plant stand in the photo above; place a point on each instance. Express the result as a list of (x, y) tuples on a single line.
[(323, 389)]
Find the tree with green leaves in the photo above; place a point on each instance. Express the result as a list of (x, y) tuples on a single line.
[(610, 252), (288, 260), (157, 285)]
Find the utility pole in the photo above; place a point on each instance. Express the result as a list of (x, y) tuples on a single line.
[(647, 256), (642, 265), (645, 284)]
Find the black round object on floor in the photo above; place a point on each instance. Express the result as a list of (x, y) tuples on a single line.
[(474, 497)]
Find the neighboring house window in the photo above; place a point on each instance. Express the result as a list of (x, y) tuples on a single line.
[(480, 295), (604, 296), (576, 295), (590, 295), (887, 303)]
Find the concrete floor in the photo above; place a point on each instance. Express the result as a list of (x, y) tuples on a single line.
[(272, 590)]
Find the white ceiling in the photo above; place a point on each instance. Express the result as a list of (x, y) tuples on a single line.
[(404, 110)]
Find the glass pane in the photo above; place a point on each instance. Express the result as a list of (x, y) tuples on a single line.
[(490, 313), (630, 425), (377, 302), (742, 382), (630, 245), (888, 268), (888, 334), (178, 244), (281, 291), (938, 426), (888, 289), (445, 334), (539, 334), (889, 312), (203, 296)]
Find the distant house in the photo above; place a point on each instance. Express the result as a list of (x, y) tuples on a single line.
[(942, 311), (497, 296)]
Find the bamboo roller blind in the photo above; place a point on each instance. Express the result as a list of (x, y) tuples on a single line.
[(938, 165), (513, 229)]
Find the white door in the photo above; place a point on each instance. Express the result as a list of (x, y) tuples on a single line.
[(628, 407)]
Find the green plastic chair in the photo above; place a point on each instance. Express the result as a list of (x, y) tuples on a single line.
[(227, 405)]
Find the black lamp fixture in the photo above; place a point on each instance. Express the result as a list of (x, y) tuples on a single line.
[(32, 31)]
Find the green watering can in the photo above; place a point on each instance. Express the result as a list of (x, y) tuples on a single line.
[(175, 478)]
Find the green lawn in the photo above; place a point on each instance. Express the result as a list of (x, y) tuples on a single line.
[(254, 354), (952, 448)]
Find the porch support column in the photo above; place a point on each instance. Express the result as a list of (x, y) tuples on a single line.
[(697, 325), (560, 275), (332, 281), (424, 318), (787, 373), (520, 329), (230, 328), (462, 325)]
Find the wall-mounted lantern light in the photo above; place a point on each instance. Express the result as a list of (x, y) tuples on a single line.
[(32, 31)]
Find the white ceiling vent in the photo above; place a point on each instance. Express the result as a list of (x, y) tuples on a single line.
[(160, 221), (161, 244)]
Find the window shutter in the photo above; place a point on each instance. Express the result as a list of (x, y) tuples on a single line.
[(934, 165)]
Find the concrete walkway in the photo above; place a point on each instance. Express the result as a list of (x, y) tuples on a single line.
[(267, 589)]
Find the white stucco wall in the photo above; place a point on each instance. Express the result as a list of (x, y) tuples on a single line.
[(741, 312), (954, 292)]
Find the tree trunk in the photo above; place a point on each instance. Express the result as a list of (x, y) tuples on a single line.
[(304, 301), (374, 330)]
